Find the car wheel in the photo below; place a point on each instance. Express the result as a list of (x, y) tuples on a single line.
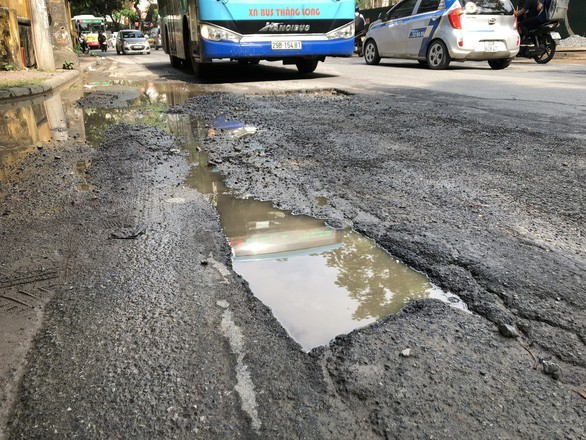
[(438, 57), (371, 55), (546, 57), (500, 64), (306, 66)]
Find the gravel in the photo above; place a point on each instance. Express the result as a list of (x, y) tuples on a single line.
[(573, 41)]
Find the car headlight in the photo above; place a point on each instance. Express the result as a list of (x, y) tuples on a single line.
[(216, 33), (345, 32)]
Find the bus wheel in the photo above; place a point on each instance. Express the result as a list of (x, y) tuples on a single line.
[(201, 70), (175, 62), (306, 66)]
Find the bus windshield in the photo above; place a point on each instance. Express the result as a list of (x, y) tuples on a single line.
[(88, 24)]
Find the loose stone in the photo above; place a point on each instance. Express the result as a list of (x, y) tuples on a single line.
[(508, 331)]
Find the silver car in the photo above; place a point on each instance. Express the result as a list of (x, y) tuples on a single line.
[(435, 32), (132, 41)]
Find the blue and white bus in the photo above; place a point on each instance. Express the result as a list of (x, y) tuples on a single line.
[(195, 32)]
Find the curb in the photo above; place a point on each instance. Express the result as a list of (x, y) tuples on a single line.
[(37, 89), (570, 49)]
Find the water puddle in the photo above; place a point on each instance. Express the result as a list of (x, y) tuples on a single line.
[(27, 125), (319, 282), (146, 103)]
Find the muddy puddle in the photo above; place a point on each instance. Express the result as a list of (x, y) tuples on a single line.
[(319, 282), (26, 126)]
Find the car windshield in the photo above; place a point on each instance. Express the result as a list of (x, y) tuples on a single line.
[(488, 7), (132, 35)]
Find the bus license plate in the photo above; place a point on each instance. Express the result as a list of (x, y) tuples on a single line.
[(285, 45)]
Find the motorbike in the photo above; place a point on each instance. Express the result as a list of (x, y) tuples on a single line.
[(540, 43)]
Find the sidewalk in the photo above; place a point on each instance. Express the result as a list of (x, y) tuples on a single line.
[(23, 83)]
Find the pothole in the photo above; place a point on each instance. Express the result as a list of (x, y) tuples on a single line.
[(319, 282)]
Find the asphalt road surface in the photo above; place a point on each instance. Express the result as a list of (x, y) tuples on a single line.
[(142, 329)]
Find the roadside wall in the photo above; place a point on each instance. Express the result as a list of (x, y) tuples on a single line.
[(17, 49), (9, 40), (22, 7), (59, 28)]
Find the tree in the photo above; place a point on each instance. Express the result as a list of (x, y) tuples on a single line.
[(115, 9), (118, 17), (101, 8)]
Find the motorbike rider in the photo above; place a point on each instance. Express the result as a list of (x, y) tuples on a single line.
[(83, 43), (102, 40), (532, 15)]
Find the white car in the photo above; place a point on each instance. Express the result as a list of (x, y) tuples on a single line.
[(435, 32), (132, 41)]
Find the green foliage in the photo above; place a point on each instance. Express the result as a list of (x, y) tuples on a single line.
[(68, 65), (99, 8), (118, 10), (7, 67)]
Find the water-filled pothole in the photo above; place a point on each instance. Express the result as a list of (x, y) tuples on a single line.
[(319, 282)]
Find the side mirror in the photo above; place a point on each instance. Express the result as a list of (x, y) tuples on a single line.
[(381, 16)]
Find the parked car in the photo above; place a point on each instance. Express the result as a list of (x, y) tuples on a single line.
[(154, 38), (435, 32), (132, 41)]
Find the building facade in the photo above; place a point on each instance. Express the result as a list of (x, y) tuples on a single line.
[(35, 34)]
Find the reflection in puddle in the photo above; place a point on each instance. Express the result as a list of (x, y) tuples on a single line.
[(27, 125), (319, 282), (148, 107)]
